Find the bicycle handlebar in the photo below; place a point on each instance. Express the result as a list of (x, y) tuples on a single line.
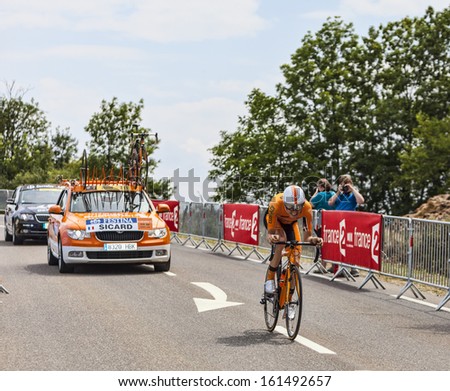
[(145, 134), (295, 243)]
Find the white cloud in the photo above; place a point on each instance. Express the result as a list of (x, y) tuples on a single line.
[(188, 129), (177, 20), (201, 119), (87, 52), (68, 105), (156, 20), (94, 52)]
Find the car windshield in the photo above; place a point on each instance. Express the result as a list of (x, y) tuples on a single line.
[(39, 196), (109, 201)]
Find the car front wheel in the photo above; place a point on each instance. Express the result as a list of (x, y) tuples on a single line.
[(8, 236), (62, 266), (15, 238), (51, 259), (162, 267)]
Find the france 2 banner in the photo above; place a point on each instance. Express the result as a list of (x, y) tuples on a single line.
[(352, 237), (241, 223), (171, 218)]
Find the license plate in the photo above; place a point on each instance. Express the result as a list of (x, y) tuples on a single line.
[(120, 246), (45, 225)]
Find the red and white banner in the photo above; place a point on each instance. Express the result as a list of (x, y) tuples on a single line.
[(171, 218), (241, 223), (352, 237)]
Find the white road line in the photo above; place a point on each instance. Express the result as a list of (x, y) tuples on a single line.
[(421, 302), (170, 274), (306, 342)]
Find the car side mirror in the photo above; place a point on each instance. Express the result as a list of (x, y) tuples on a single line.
[(10, 200), (56, 210), (161, 208)]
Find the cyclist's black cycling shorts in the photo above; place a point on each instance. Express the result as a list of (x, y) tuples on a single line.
[(288, 228)]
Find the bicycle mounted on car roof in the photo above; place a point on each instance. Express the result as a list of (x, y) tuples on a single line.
[(136, 174)]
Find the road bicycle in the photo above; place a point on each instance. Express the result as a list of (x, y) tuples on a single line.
[(288, 293), (138, 159)]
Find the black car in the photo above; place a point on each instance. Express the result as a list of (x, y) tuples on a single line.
[(26, 213)]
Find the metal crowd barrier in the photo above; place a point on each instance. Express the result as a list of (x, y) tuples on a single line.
[(414, 250), (417, 251)]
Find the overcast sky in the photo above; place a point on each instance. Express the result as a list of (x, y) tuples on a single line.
[(193, 62)]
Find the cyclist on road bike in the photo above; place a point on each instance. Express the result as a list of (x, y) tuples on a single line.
[(282, 215)]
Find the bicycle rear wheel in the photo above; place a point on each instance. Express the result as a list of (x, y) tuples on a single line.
[(133, 163), (144, 167), (84, 169), (294, 307), (271, 307)]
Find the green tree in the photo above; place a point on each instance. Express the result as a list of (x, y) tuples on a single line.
[(413, 78), (320, 96), (24, 150), (64, 147), (426, 160), (159, 189)]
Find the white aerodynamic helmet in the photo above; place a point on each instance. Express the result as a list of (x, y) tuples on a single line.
[(293, 197)]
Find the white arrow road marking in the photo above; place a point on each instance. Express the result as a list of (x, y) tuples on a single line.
[(306, 342), (220, 298)]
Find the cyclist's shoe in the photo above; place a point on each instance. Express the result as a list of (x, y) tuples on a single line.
[(291, 312), (269, 287), (354, 272)]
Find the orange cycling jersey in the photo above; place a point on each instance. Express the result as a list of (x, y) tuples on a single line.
[(278, 215)]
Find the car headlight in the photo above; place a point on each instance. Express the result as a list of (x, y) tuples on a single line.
[(157, 233), (78, 234), (26, 216)]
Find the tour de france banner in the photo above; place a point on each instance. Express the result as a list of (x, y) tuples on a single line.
[(172, 217), (352, 237), (241, 223)]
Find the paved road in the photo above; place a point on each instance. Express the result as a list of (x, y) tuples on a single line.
[(124, 317)]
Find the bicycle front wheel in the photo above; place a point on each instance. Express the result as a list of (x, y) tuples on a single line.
[(271, 308), (295, 305)]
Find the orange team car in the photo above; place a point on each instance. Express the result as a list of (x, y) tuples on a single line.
[(107, 222)]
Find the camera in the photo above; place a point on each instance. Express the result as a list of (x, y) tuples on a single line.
[(345, 188)]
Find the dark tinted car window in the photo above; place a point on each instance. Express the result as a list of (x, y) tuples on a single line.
[(109, 201), (39, 196)]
